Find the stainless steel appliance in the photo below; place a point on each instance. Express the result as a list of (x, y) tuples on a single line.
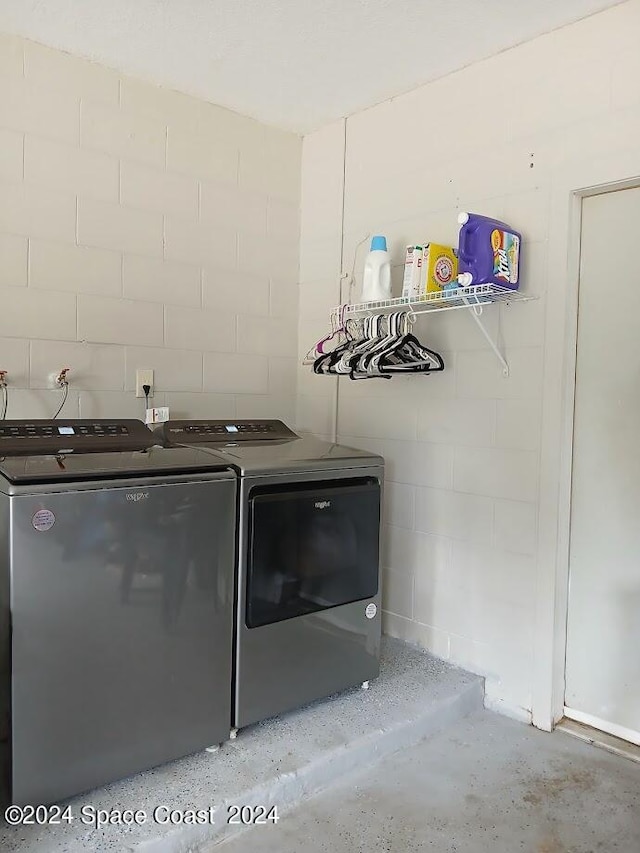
[(116, 603), (308, 595)]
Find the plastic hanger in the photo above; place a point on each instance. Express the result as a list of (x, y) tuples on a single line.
[(324, 362), (337, 331), (409, 355), (405, 353)]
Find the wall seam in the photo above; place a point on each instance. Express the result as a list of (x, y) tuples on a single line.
[(336, 406)]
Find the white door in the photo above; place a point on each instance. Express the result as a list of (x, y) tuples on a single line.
[(603, 643)]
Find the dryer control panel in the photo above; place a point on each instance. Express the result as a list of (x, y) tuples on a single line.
[(79, 435), (223, 432)]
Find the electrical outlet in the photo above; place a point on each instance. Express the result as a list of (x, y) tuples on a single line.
[(144, 376)]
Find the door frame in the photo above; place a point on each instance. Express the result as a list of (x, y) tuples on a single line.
[(616, 171)]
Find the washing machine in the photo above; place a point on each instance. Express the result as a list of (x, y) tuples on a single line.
[(116, 604), (308, 619)]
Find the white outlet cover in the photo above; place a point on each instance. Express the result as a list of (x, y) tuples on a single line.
[(144, 376)]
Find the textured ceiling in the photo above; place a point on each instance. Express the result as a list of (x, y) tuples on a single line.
[(293, 63)]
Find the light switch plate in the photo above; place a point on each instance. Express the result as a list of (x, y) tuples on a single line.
[(144, 376)]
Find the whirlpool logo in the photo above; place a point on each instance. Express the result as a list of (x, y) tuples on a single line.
[(134, 497), (322, 504)]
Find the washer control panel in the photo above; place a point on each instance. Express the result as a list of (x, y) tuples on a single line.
[(223, 432), (39, 436)]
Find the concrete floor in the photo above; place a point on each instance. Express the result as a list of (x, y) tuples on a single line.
[(485, 785), (284, 760)]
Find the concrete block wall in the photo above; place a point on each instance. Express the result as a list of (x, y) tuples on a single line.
[(462, 558), (142, 228)]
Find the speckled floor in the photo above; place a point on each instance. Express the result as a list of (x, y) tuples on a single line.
[(486, 785), (280, 761)]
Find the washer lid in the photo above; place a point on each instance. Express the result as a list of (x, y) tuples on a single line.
[(51, 451), (153, 462)]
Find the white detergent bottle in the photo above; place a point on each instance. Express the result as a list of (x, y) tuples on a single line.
[(376, 284)]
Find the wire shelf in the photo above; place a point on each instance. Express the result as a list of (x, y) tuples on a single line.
[(472, 298), (461, 297)]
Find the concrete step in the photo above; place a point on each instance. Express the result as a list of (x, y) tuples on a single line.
[(487, 783), (279, 762)]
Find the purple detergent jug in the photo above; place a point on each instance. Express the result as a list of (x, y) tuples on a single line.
[(488, 252)]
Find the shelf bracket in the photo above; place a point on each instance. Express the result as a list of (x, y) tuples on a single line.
[(475, 310)]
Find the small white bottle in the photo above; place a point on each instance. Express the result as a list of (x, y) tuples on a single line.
[(376, 283)]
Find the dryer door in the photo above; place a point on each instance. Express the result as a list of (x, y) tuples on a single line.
[(312, 546)]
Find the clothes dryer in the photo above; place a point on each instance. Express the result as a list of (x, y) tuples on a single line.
[(308, 619)]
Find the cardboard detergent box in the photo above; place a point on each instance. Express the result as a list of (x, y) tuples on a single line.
[(439, 268), (412, 277)]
